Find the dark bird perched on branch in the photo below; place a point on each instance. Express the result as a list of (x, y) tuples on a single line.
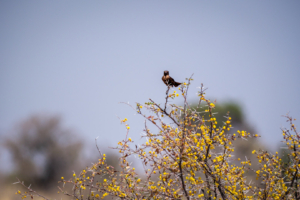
[(168, 80)]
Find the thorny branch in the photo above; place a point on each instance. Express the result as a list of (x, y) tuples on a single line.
[(30, 190)]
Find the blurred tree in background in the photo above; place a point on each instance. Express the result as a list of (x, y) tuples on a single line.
[(42, 151)]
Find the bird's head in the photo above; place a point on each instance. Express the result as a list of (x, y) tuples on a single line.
[(166, 72)]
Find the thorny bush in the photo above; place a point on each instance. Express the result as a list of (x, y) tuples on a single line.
[(190, 156)]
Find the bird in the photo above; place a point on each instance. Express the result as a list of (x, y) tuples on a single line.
[(168, 80)]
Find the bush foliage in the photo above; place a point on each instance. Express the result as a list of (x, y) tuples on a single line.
[(189, 156)]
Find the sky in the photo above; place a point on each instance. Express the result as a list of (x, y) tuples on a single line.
[(79, 59)]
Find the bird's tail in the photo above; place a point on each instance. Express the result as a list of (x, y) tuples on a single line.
[(176, 84)]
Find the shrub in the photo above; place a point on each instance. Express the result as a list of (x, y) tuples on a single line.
[(189, 156)]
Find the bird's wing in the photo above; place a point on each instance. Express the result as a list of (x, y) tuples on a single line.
[(171, 81)]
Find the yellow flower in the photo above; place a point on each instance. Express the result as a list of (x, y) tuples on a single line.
[(141, 107), (62, 178), (128, 127)]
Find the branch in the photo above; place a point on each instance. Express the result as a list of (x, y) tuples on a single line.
[(97, 145), (164, 111), (65, 193), (182, 180), (30, 190), (183, 141), (167, 92), (292, 183)]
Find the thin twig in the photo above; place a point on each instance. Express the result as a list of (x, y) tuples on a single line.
[(31, 190), (164, 111), (97, 146)]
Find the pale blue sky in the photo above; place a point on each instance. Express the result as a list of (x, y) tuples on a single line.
[(79, 59)]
